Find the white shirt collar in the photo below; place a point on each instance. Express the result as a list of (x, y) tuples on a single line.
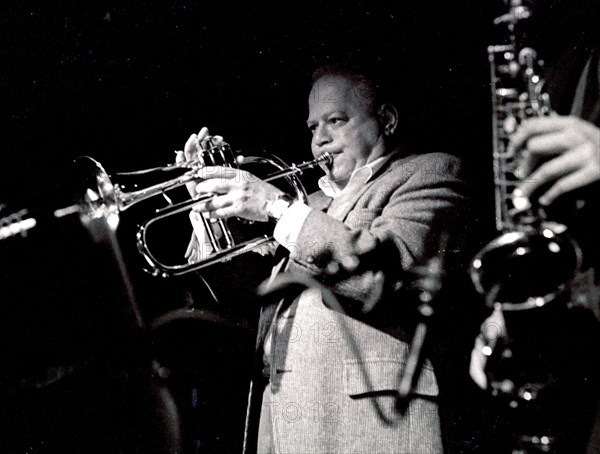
[(359, 177)]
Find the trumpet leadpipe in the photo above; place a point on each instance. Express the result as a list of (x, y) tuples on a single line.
[(325, 158), (194, 173)]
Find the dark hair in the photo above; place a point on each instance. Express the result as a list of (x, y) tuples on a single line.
[(369, 77)]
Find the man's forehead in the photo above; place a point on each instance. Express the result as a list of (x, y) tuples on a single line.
[(337, 89), (330, 88)]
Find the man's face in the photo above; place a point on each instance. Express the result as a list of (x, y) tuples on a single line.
[(342, 124)]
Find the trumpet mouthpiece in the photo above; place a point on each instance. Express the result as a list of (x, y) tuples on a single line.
[(326, 158)]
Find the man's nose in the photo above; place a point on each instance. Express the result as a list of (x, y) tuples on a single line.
[(321, 136)]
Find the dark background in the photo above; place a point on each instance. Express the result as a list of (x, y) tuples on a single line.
[(127, 82)]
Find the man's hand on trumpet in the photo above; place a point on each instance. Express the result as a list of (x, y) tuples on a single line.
[(192, 151), (237, 192)]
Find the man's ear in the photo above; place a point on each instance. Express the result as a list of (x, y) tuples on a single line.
[(388, 116)]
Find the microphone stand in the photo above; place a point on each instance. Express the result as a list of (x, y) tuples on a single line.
[(429, 280)]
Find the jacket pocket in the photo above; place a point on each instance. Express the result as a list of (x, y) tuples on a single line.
[(382, 375)]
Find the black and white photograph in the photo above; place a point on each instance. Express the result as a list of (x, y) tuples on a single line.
[(296, 227)]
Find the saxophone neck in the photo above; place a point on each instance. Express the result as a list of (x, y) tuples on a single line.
[(517, 12)]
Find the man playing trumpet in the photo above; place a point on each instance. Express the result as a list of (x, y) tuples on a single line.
[(326, 380)]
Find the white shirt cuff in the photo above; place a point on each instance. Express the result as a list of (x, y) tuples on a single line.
[(288, 227)]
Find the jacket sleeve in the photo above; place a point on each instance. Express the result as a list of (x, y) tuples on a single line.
[(395, 224)]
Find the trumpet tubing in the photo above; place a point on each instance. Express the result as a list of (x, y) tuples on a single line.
[(110, 198)]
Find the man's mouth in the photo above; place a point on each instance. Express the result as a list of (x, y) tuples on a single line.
[(331, 163)]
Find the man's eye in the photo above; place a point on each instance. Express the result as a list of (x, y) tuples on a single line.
[(336, 120)]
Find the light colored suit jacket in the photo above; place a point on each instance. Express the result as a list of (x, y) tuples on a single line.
[(333, 377)]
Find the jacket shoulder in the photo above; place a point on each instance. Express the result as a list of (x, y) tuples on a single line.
[(427, 168)]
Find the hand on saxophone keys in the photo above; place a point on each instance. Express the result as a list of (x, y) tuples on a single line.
[(492, 330), (559, 154)]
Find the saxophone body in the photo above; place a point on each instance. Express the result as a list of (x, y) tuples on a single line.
[(532, 261), (525, 272)]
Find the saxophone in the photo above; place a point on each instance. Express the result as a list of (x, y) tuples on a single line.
[(533, 260), (524, 273)]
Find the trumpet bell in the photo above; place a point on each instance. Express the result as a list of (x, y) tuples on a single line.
[(97, 194)]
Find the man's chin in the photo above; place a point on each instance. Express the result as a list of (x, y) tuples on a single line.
[(331, 175), (341, 182)]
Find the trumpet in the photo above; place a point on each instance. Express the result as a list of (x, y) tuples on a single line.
[(107, 198)]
